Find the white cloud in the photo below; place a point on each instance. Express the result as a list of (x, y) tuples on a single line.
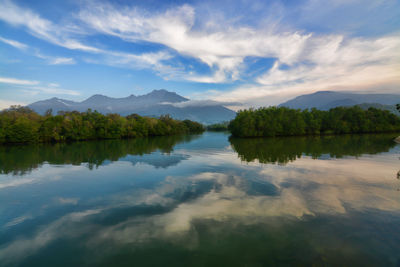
[(51, 60), (202, 103), (40, 27), (61, 61), (312, 61), (34, 88), (7, 103), (17, 81), (305, 61), (14, 43), (55, 60), (327, 64), (65, 36), (145, 60), (220, 49), (218, 77), (52, 90)]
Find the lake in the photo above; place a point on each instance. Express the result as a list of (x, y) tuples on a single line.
[(202, 200)]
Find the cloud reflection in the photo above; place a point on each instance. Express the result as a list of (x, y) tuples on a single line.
[(228, 192)]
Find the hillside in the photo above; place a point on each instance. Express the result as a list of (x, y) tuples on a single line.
[(391, 108), (325, 100), (153, 104)]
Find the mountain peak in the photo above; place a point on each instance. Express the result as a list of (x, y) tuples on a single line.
[(163, 95), (96, 98), (156, 103), (323, 92), (160, 91)]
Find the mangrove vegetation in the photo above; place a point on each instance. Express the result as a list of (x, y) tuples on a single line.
[(22, 125), (282, 121)]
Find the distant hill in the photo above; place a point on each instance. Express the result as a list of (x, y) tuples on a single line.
[(154, 104), (325, 100), (391, 108)]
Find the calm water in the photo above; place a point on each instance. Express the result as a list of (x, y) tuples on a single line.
[(206, 200)]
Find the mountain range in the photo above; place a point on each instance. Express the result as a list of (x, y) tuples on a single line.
[(325, 100), (161, 102), (153, 104)]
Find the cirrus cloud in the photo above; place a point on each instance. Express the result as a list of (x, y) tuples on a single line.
[(17, 81)]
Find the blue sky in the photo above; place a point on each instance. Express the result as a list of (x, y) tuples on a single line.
[(254, 52)]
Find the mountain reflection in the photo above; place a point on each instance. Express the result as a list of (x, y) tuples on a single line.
[(157, 160), (286, 149), (24, 158)]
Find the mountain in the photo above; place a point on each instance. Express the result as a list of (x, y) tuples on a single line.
[(154, 104), (56, 104), (391, 108), (325, 100)]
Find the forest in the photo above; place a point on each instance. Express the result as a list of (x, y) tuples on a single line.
[(22, 125), (282, 121), (218, 127)]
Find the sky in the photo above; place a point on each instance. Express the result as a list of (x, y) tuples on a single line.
[(244, 53)]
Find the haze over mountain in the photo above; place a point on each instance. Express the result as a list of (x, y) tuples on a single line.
[(325, 100), (154, 104)]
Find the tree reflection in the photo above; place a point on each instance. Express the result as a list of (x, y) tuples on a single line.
[(19, 159), (286, 149)]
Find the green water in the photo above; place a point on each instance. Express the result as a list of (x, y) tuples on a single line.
[(204, 200)]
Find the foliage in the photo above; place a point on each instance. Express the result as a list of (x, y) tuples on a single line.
[(194, 127), (391, 108), (282, 121), (223, 126), (22, 125)]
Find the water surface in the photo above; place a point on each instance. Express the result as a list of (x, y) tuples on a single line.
[(202, 200)]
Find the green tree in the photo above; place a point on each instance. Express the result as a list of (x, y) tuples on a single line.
[(20, 125), (283, 121)]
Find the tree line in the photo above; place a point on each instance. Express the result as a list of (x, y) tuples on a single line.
[(21, 125), (218, 127), (283, 121)]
